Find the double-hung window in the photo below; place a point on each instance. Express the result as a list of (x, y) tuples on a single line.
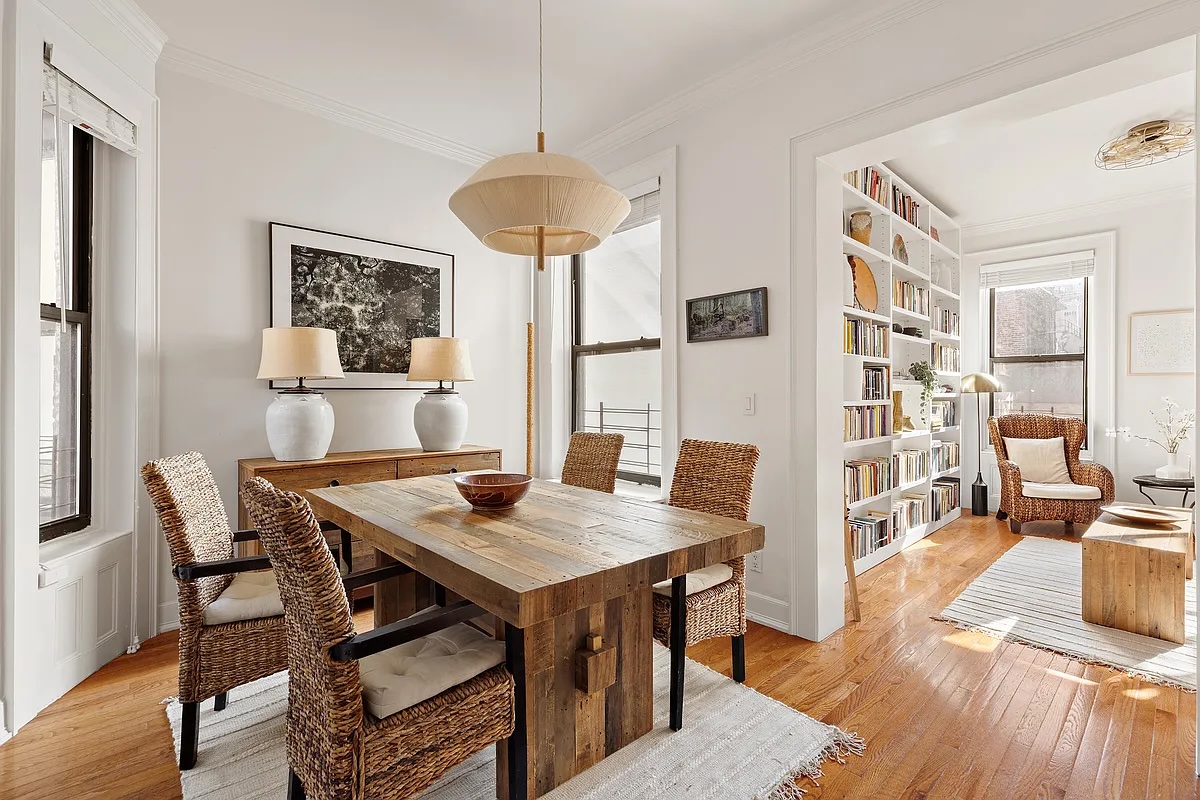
[(617, 360), (65, 388), (1038, 333)]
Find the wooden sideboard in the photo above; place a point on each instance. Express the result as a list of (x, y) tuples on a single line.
[(363, 466)]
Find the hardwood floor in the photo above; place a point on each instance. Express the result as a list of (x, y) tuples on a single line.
[(945, 714)]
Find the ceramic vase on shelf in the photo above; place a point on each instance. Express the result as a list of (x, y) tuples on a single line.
[(1173, 469), (860, 227)]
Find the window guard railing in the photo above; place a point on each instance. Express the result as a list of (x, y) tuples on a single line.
[(610, 419)]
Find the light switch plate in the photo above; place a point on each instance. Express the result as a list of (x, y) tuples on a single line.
[(748, 403)]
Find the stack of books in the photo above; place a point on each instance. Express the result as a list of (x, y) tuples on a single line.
[(868, 533), (863, 338), (910, 511), (943, 414), (945, 357), (875, 383), (945, 497), (867, 477), (904, 206), (945, 320), (866, 422), (945, 455), (911, 465), (910, 296), (868, 181)]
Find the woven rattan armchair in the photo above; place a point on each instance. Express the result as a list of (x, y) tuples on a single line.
[(717, 478), (1015, 503), (591, 461), (337, 749), (213, 657)]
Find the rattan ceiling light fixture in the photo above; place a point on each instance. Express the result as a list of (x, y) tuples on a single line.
[(1148, 143), (538, 204)]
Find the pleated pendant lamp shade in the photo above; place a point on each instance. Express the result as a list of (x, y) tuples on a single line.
[(510, 197)]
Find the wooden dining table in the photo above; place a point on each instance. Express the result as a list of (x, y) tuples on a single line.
[(568, 574)]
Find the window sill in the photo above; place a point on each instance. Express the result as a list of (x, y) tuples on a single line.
[(64, 547)]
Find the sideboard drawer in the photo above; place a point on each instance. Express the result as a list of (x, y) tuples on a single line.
[(440, 465), (295, 480)]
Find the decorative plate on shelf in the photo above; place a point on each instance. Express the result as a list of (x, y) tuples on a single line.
[(866, 293), (899, 249), (1146, 516)]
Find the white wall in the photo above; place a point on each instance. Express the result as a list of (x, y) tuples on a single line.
[(232, 163), (1154, 271), (749, 189)]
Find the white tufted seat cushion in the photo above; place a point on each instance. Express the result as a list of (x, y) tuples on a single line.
[(251, 595), (699, 580), (1060, 491), (409, 673)]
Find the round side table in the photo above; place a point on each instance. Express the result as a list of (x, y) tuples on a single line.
[(1185, 485)]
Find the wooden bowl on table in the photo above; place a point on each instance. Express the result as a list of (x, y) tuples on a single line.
[(493, 491)]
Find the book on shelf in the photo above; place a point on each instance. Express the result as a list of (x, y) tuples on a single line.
[(911, 465), (904, 206), (869, 532), (908, 295), (945, 320), (945, 357), (867, 477), (875, 383), (945, 455), (866, 422), (943, 414), (944, 497), (870, 182), (910, 511), (865, 338)]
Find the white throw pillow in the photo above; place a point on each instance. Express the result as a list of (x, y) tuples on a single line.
[(1040, 460)]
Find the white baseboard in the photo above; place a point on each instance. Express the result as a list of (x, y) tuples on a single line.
[(768, 611), (168, 616), (4, 734)]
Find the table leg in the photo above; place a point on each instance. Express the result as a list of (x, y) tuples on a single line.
[(400, 597), (1142, 489)]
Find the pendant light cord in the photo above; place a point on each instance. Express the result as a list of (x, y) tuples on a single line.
[(541, 79)]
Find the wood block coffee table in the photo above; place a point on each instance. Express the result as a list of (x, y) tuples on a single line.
[(1133, 575)]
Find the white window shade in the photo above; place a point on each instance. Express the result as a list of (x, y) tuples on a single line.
[(1060, 267), (642, 209), (73, 104)]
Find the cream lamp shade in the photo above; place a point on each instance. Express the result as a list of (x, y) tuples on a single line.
[(440, 358), (299, 353), (509, 198), (979, 383)]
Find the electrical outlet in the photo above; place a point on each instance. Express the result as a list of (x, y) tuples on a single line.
[(754, 561)]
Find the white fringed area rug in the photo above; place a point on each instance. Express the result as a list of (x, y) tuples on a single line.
[(1033, 595), (736, 744)]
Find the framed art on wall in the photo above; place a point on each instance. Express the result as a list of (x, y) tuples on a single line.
[(376, 296), (732, 315), (1162, 342)]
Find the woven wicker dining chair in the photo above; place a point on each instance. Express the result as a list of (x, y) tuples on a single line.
[(339, 744), (231, 629), (716, 478), (591, 461)]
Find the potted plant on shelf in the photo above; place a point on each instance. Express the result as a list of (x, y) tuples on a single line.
[(1173, 429), (922, 372)]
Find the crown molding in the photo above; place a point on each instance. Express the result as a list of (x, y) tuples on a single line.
[(817, 41), (1170, 194), (198, 65), (137, 26)]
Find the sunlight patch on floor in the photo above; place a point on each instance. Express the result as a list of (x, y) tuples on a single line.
[(969, 640), (1145, 693), (1069, 677)]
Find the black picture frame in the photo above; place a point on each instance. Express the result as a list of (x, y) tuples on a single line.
[(709, 324), (283, 238)]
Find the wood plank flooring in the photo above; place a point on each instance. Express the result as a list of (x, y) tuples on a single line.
[(946, 714)]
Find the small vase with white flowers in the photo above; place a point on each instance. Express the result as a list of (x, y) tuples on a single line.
[(1174, 424)]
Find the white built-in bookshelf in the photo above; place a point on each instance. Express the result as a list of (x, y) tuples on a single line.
[(900, 484)]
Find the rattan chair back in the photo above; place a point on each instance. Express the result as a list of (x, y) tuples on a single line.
[(1038, 426), (325, 709), (591, 461), (714, 477)]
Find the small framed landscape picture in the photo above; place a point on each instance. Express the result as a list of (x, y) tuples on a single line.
[(376, 296), (1162, 343), (733, 315)]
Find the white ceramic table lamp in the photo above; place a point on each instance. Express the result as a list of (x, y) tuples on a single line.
[(300, 421), (441, 415)]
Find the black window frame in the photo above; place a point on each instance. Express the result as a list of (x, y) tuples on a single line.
[(79, 311), (1044, 358), (580, 350)]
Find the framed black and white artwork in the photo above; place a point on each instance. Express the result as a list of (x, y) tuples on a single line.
[(376, 296), (732, 315)]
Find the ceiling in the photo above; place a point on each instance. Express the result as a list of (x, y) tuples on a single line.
[(1044, 162), (466, 70)]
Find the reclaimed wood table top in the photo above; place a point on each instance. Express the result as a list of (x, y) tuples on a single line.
[(1115, 530), (559, 550)]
